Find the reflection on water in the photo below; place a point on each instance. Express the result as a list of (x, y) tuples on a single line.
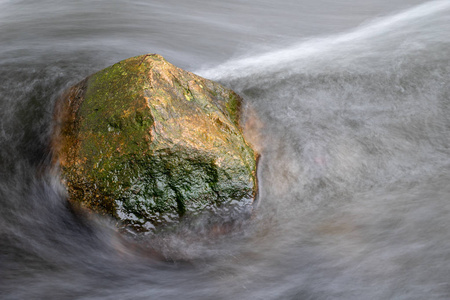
[(351, 120)]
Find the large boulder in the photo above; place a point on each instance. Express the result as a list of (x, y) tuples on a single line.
[(149, 143)]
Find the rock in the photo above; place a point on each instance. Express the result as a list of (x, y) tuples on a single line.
[(149, 143)]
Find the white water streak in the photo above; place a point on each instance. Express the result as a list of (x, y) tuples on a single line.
[(278, 59)]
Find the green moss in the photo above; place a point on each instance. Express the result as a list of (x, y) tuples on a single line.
[(144, 149), (234, 107)]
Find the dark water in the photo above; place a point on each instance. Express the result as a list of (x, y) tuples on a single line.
[(347, 101)]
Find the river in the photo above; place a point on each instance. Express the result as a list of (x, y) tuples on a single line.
[(348, 103)]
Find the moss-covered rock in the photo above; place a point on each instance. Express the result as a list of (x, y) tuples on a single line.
[(149, 143)]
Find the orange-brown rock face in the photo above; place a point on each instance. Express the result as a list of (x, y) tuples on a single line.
[(148, 143)]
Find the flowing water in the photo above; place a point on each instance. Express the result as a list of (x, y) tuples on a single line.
[(347, 101)]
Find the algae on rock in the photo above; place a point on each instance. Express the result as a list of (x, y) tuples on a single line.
[(148, 143)]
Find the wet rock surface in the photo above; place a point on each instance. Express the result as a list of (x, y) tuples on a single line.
[(149, 143)]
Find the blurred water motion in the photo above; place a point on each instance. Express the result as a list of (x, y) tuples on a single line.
[(348, 102)]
